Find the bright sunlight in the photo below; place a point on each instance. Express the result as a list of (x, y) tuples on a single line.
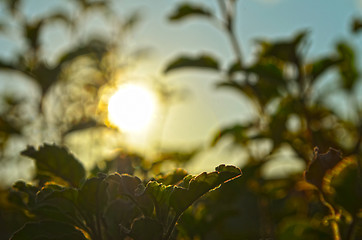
[(131, 108)]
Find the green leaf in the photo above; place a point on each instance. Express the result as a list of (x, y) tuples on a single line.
[(345, 186), (146, 229), (92, 196), (285, 50), (235, 67), (57, 203), (119, 215), (48, 230), (57, 162), (237, 132), (321, 165), (181, 198), (320, 66), (348, 65), (176, 156), (172, 178), (202, 61), (187, 10), (161, 198), (82, 125), (132, 187), (24, 194)]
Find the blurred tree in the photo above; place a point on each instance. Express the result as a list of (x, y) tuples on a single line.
[(293, 115), (65, 77)]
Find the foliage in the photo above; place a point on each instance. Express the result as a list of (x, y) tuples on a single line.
[(107, 206), (293, 114)]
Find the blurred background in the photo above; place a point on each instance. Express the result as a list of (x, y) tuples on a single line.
[(54, 89), (256, 83)]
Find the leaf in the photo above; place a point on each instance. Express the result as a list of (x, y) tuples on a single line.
[(161, 199), (345, 186), (82, 125), (172, 178), (146, 229), (176, 156), (187, 10), (235, 67), (356, 25), (131, 21), (119, 215), (57, 203), (348, 65), (48, 230), (92, 196), (285, 50), (237, 132), (56, 161), (94, 47), (202, 61), (132, 187), (181, 198), (320, 66), (24, 194), (321, 165), (268, 71)]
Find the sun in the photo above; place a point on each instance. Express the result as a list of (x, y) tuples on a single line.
[(131, 108)]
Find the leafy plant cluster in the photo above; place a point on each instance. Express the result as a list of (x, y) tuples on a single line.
[(291, 114), (109, 206)]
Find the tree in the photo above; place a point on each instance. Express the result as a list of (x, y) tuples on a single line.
[(291, 116)]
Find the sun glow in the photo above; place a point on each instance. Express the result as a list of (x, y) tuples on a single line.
[(131, 108)]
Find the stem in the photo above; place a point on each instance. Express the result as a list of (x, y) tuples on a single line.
[(229, 25), (352, 228), (334, 224), (171, 227)]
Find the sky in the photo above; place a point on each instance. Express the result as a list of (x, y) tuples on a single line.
[(194, 120)]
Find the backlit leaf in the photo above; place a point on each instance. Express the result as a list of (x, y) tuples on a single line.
[(202, 62), (56, 161), (320, 165), (132, 187), (172, 178), (161, 198), (92, 195), (187, 10), (181, 198), (57, 203)]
